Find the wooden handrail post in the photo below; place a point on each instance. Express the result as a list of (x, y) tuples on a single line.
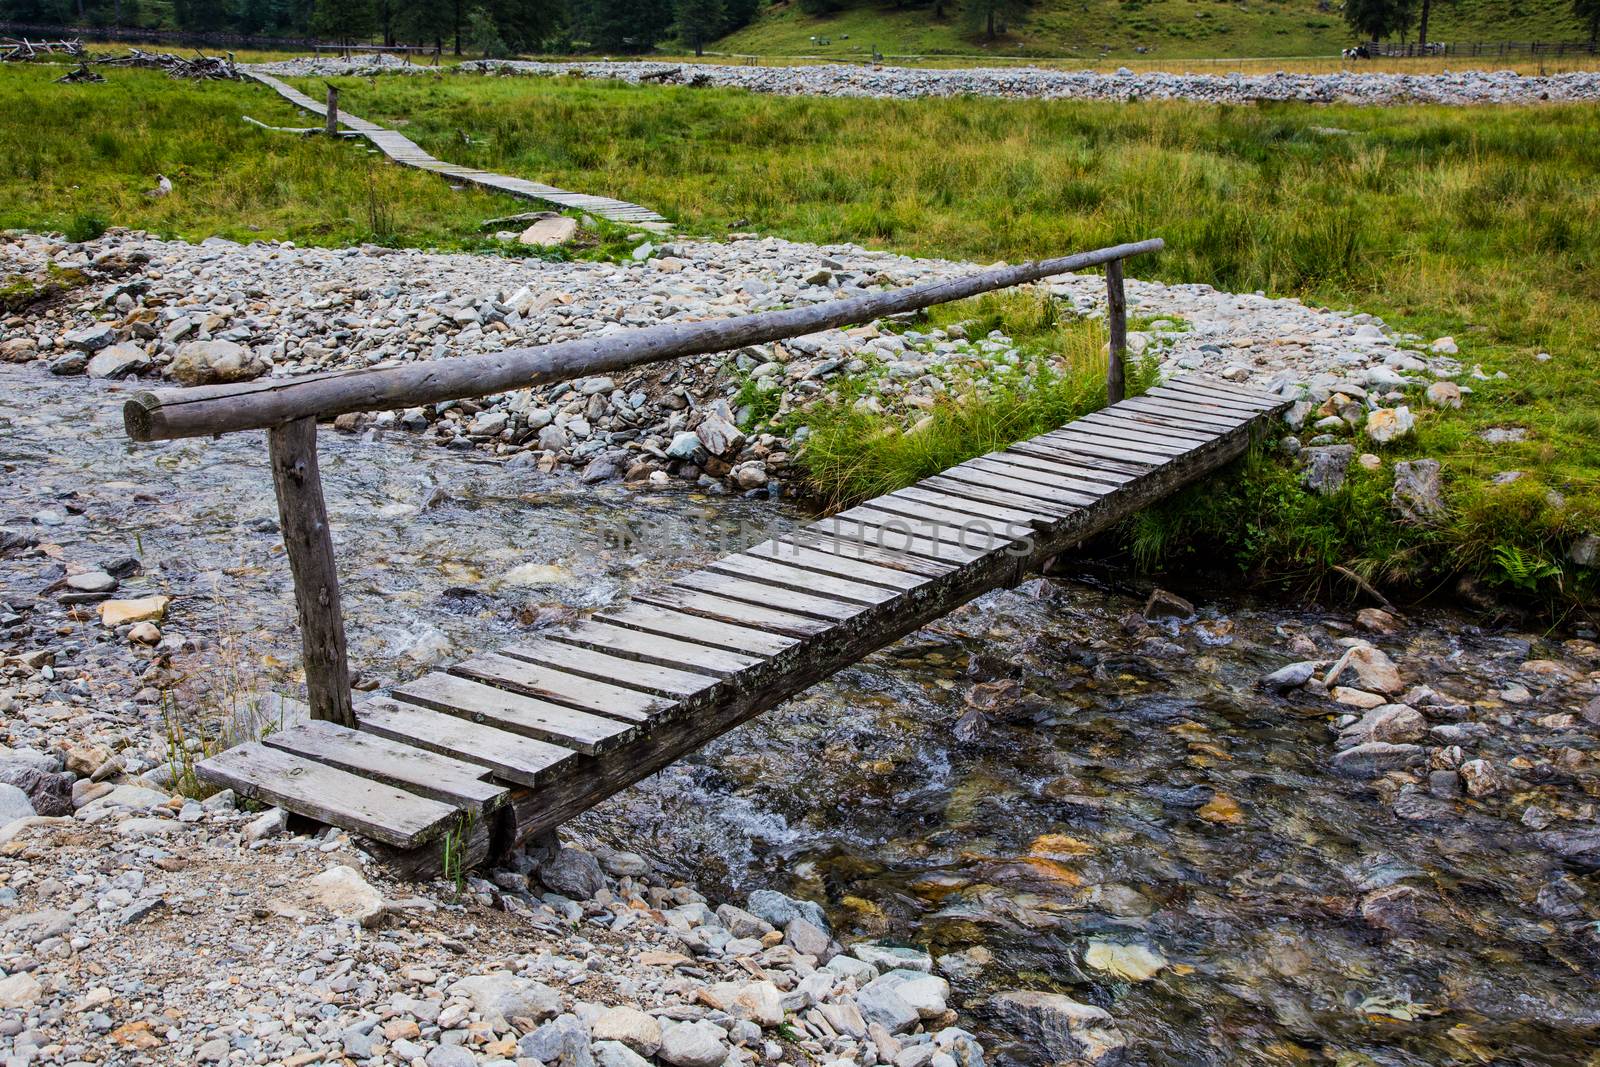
[(332, 126), (292, 450), (1117, 323)]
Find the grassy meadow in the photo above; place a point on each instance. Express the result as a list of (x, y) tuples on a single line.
[(1482, 223), (1164, 28)]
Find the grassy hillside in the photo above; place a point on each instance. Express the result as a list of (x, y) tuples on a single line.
[(1089, 28)]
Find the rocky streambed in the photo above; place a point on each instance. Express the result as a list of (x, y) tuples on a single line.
[(1464, 87), (1072, 822)]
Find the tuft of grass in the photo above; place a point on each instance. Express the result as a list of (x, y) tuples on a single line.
[(852, 453)]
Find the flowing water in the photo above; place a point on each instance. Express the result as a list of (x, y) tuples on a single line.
[(1032, 785)]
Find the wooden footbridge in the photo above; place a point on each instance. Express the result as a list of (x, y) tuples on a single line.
[(510, 743), (407, 152)]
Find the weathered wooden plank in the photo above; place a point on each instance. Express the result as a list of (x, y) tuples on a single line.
[(328, 794), (1152, 427), (789, 576), (796, 553), (654, 648), (764, 595), (1187, 413), (1205, 401), (1150, 448), (1020, 512), (510, 757), (1004, 486), (734, 612), (1094, 480), (897, 535), (308, 542), (1096, 452), (669, 622), (1263, 399), (519, 714), (414, 770), (1044, 450), (853, 541), (1022, 468), (560, 688), (622, 671)]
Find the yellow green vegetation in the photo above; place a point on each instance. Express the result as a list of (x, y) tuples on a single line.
[(1482, 223)]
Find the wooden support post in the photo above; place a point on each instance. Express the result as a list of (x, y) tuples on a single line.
[(1117, 323), (332, 126), (292, 450)]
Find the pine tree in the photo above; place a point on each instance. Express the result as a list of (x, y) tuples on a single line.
[(344, 20), (1377, 19), (1588, 12), (990, 16), (700, 21)]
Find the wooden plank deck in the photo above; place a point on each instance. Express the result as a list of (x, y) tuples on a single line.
[(537, 732), (403, 150)]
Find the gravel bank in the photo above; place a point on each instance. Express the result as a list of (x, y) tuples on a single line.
[(1353, 87)]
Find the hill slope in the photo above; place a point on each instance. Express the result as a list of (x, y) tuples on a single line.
[(1089, 28)]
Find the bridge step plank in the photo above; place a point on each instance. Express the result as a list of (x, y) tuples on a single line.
[(514, 712), (788, 576), (622, 671), (559, 688), (761, 595), (1151, 449), (511, 757), (1148, 428), (736, 612), (653, 648), (850, 541), (668, 622), (328, 794), (414, 770), (797, 553), (990, 486)]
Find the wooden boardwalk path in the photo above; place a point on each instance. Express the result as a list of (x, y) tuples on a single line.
[(402, 149), (513, 742)]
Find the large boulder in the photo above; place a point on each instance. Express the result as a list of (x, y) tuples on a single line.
[(118, 361), (573, 873), (1326, 466), (501, 996), (1418, 496), (215, 363), (1367, 668), (1060, 1027)]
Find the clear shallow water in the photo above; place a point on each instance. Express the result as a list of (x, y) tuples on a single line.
[(1022, 778)]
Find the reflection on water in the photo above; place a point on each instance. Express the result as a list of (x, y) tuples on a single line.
[(1048, 793)]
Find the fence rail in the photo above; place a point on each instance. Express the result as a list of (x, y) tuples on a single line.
[(288, 409), (1482, 49)]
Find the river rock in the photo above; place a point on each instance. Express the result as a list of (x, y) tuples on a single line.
[(880, 1002), (1366, 668), (561, 1042), (760, 1002), (1326, 466), (501, 996), (1395, 723), (741, 923), (548, 233), (344, 892), (632, 1027), (806, 938), (1389, 424), (1585, 550), (616, 1054), (1061, 1027), (1291, 677), (114, 613), (18, 350), (1580, 846), (1129, 962), (695, 1044), (214, 363), (779, 910), (886, 958), (14, 804), (1164, 605), (117, 361), (91, 338), (19, 991), (719, 436), (1376, 757), (49, 792), (1482, 778), (573, 873), (1444, 395), (1418, 496)]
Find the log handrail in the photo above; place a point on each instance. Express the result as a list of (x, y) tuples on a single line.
[(288, 409), (265, 403)]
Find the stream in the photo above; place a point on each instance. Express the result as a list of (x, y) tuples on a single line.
[(1042, 788)]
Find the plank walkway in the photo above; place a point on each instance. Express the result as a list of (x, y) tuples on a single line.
[(516, 741), (403, 150)]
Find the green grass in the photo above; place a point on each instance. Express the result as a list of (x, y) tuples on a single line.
[(1090, 28), (1482, 223), (852, 453)]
